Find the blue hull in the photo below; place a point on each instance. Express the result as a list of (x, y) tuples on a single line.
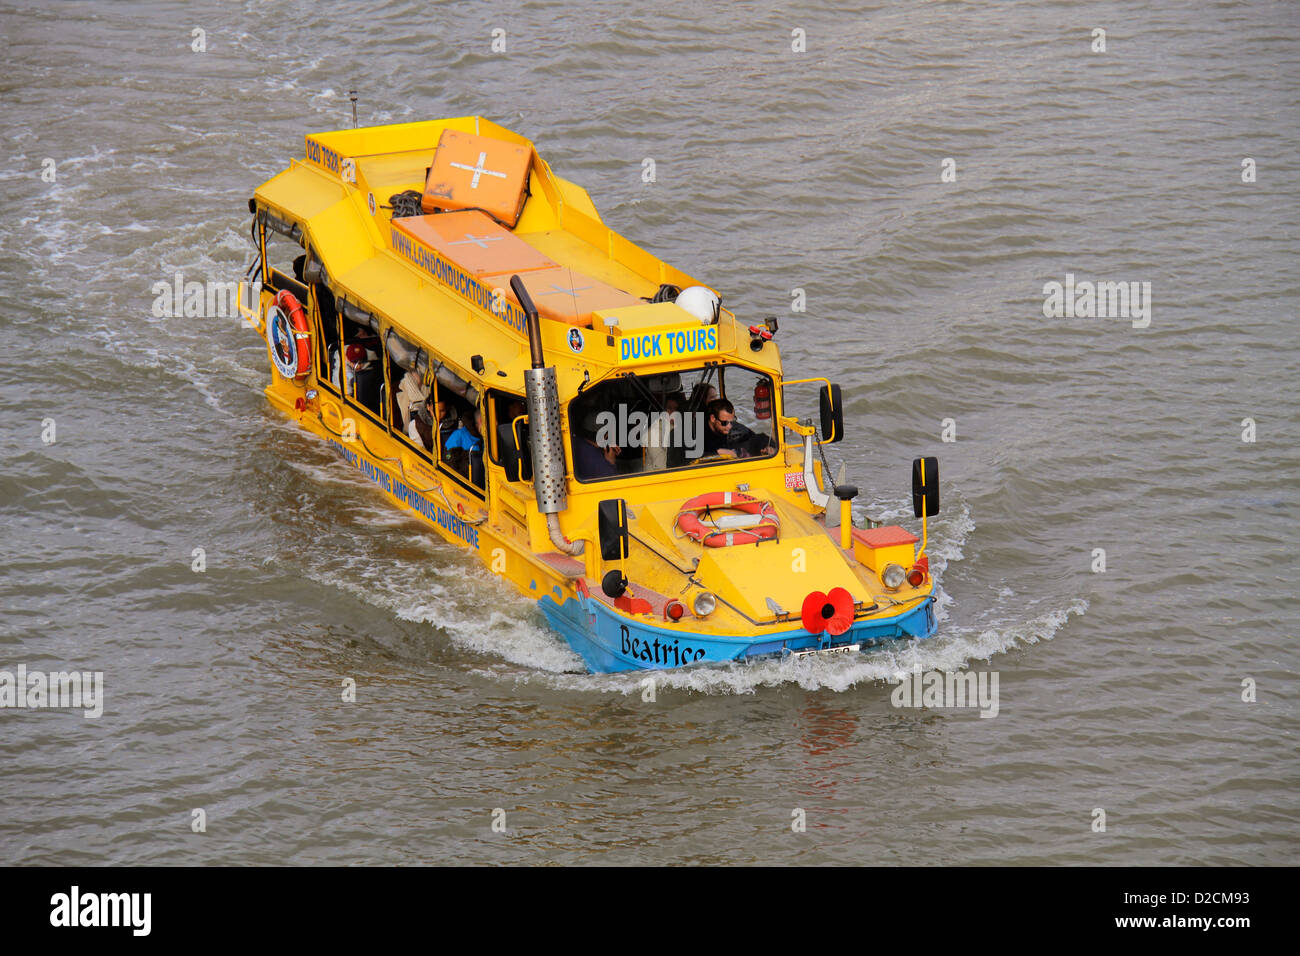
[(609, 642)]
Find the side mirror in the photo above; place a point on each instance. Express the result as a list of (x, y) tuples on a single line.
[(832, 409), (925, 486), (612, 522)]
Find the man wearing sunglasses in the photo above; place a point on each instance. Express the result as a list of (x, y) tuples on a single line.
[(729, 438)]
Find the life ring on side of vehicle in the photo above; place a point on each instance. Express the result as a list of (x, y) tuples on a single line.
[(757, 521), (289, 335)]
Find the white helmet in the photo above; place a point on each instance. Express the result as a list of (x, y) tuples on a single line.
[(700, 302)]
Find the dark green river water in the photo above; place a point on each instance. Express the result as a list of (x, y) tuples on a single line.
[(776, 169)]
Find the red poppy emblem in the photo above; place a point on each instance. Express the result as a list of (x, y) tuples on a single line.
[(832, 613)]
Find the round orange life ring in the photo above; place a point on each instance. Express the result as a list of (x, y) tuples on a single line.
[(289, 335), (724, 531)]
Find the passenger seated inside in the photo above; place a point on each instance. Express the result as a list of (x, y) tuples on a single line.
[(363, 373), (702, 393), (589, 459), (411, 396), (448, 422), (665, 446), (432, 415), (725, 436), (354, 358), (464, 449), (421, 426)]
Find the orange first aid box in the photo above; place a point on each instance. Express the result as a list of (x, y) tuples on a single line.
[(478, 172)]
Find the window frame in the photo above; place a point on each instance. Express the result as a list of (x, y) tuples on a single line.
[(774, 434), (504, 397), (443, 465)]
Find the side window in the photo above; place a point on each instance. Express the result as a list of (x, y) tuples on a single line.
[(461, 442), (327, 339), (413, 408), (509, 444), (284, 255), (357, 367), (327, 335), (634, 424)]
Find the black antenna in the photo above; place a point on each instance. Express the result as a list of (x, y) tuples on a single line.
[(352, 95)]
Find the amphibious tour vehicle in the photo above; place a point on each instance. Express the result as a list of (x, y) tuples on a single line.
[(458, 322)]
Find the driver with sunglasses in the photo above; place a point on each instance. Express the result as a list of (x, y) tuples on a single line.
[(729, 438)]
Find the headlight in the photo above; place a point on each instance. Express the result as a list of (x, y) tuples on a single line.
[(893, 576), (704, 604)]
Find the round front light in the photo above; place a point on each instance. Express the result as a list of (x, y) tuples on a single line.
[(893, 577), (704, 604)]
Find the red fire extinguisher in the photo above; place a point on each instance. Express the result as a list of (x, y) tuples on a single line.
[(762, 401)]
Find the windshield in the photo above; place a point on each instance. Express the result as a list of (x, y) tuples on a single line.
[(649, 423)]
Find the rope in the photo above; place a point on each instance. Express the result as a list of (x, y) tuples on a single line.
[(406, 204)]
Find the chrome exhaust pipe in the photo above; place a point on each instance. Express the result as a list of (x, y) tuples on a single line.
[(547, 435)]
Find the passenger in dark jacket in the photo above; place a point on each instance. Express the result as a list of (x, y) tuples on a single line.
[(592, 461), (723, 435)]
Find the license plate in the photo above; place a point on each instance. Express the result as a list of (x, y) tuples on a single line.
[(826, 651)]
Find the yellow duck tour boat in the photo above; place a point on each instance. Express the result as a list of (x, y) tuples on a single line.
[(458, 322)]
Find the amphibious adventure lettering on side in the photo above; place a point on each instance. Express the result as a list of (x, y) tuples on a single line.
[(408, 496)]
